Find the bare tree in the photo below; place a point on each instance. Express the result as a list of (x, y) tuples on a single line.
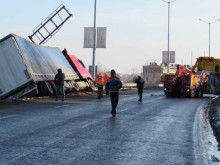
[(129, 78), (152, 73)]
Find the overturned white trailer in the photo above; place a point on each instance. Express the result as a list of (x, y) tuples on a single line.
[(27, 68)]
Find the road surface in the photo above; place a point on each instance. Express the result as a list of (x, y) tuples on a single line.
[(81, 130)]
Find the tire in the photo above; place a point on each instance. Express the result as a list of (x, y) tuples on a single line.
[(193, 92), (45, 88), (53, 87), (68, 86), (199, 92), (49, 88), (92, 85), (75, 86)]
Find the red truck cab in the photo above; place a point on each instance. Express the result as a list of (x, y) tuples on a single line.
[(80, 69)]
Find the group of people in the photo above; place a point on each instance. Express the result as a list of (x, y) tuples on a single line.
[(112, 86), (101, 82)]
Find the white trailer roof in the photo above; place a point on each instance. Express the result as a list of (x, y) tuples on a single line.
[(21, 61), (43, 62)]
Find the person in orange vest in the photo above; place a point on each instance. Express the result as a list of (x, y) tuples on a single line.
[(105, 81), (100, 84)]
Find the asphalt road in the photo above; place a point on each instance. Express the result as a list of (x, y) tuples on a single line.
[(81, 130)]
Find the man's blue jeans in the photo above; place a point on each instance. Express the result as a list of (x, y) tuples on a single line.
[(60, 88)]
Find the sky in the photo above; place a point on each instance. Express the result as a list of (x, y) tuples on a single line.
[(137, 30)]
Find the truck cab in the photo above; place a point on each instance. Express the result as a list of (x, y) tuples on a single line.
[(81, 70)]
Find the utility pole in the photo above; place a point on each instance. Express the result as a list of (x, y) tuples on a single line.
[(209, 23), (168, 46), (94, 42)]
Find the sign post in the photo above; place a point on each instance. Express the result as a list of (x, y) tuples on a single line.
[(90, 37), (168, 58)]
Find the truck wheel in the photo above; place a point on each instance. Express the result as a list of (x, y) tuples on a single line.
[(75, 86), (53, 86), (91, 85), (193, 92), (49, 88), (199, 92), (45, 88)]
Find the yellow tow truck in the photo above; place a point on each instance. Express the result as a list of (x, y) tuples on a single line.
[(202, 79)]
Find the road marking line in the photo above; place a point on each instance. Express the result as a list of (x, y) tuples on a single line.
[(7, 117), (62, 106)]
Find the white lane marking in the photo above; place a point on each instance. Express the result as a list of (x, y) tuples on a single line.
[(62, 106), (7, 117)]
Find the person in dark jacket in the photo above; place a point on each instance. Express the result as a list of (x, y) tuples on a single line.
[(140, 87), (59, 82), (105, 81), (113, 85)]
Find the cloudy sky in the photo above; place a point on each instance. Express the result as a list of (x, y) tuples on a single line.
[(136, 29)]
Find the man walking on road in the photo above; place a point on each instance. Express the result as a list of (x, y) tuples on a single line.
[(113, 85), (59, 82), (140, 87)]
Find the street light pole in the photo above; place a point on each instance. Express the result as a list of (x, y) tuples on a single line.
[(209, 23), (168, 45), (209, 38), (94, 42)]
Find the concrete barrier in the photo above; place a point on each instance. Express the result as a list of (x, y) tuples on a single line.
[(129, 86), (146, 86)]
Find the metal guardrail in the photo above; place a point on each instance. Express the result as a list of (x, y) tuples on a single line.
[(129, 85), (153, 86), (146, 86)]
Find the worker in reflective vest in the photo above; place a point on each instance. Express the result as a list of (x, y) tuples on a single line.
[(100, 84)]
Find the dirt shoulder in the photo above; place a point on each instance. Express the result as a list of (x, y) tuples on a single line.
[(71, 98)]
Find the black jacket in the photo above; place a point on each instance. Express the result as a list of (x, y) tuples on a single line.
[(113, 84), (140, 83), (59, 79)]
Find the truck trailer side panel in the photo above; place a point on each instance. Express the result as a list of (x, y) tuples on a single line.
[(24, 64), (13, 72), (43, 62)]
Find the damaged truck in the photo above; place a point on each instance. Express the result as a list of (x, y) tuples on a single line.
[(28, 69)]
